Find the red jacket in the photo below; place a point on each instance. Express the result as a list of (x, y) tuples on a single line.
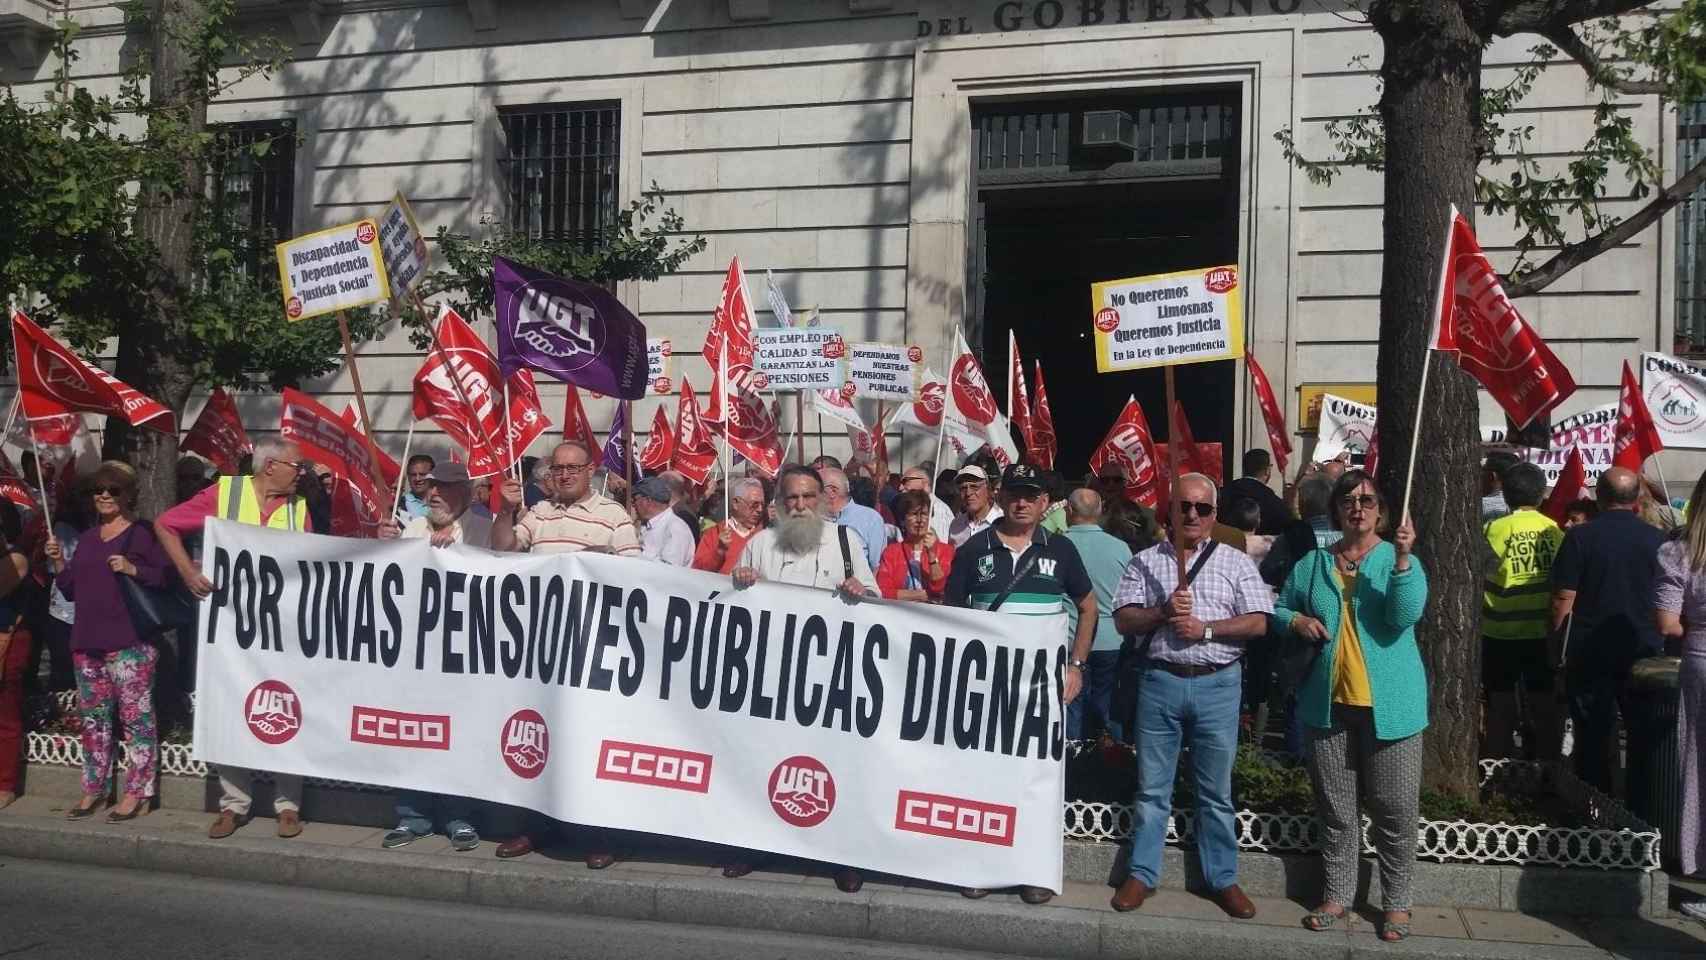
[(891, 571)]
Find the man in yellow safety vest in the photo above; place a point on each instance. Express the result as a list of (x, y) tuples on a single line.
[(266, 499), (1515, 614)]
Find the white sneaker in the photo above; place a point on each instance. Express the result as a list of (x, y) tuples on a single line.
[(1695, 909)]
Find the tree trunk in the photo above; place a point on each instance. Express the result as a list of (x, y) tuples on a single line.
[(147, 358), (1430, 101)]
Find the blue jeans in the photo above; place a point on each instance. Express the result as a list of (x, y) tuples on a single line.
[(415, 811), (1201, 711), (1096, 697)]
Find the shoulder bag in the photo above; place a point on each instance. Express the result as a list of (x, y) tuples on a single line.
[(1133, 651), (154, 610)]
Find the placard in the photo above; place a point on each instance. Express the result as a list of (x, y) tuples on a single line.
[(1309, 397), (886, 371), (1592, 430), (1190, 316), (1345, 426), (405, 249), (799, 358), (331, 270), (1675, 391), (660, 365)]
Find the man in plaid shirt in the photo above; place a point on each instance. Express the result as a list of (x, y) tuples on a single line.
[(1191, 686)]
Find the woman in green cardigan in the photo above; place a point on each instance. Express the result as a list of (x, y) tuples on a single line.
[(1364, 702)]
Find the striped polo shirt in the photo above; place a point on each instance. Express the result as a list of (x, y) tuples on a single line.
[(984, 564), (595, 523)]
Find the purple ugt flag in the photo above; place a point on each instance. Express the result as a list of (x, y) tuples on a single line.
[(576, 332), (614, 461)]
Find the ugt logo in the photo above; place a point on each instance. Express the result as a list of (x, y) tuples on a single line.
[(558, 324), (525, 743), (273, 712), (801, 791)]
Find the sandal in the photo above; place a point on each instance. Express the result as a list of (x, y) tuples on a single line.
[(1321, 920), (1394, 931)]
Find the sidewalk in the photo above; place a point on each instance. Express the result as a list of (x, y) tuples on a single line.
[(797, 898)]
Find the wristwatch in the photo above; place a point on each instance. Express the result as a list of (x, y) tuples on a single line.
[(1081, 665), (1207, 633)]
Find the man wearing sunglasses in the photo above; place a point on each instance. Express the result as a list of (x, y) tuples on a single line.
[(266, 499), (1190, 645)]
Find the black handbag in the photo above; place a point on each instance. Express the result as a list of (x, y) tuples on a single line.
[(1297, 657), (155, 610)]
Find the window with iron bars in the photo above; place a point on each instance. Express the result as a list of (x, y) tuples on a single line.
[(1690, 337), (254, 195), (559, 167)]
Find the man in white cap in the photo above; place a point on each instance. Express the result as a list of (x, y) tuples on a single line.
[(663, 534), (980, 509), (448, 519)]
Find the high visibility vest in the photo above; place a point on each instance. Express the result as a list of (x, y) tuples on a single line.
[(238, 501), (1518, 589)]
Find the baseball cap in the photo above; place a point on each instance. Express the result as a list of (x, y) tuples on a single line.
[(449, 472), (1021, 476), (653, 488), (973, 471)]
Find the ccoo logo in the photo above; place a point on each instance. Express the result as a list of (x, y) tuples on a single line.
[(273, 712), (526, 744), (801, 791)]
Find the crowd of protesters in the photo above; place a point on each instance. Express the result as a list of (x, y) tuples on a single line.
[(1304, 598)]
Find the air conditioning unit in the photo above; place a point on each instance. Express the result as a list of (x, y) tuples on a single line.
[(1108, 128)]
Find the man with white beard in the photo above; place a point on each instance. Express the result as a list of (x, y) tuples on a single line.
[(805, 549)]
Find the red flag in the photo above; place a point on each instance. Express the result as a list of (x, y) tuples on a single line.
[(1371, 458), (660, 444), (1018, 399), (54, 381), (218, 434), (1636, 437), (1474, 320), (12, 485), (576, 426), (1272, 414), (479, 425), (60, 430), (1130, 446), (336, 444), (732, 325), (1191, 458), (1572, 485), (870, 446), (694, 452), (1043, 446)]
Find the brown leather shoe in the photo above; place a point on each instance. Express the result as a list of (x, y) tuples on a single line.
[(519, 845), (1235, 903), (598, 861), (1035, 895), (289, 824), (734, 871), (1130, 895), (225, 825), (849, 880)]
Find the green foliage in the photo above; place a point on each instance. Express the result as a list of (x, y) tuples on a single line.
[(645, 243)]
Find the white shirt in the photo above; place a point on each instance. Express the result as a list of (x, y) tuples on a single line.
[(823, 568), (964, 527), (941, 518), (665, 538), (470, 528)]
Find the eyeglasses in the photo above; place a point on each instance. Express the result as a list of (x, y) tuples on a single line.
[(570, 468), (1366, 501), (296, 465), (114, 492), (1202, 509)]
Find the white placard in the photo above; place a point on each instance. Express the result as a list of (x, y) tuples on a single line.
[(799, 358), (331, 270), (886, 371), (1345, 425), (623, 693), (660, 365), (405, 249), (1675, 391)]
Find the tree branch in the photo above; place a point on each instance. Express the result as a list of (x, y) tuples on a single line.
[(1570, 42), (1538, 16), (1574, 255)]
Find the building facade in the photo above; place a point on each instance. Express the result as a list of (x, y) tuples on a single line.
[(905, 166)]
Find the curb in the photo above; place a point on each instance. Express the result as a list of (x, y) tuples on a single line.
[(941, 919)]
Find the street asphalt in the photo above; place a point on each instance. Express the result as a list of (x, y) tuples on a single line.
[(57, 911)]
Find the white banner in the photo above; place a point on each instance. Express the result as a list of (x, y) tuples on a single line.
[(1592, 430), (1345, 425), (660, 364), (799, 358), (1675, 391), (912, 739)]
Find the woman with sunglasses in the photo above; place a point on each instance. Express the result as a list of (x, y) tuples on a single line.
[(1364, 699), (115, 665)]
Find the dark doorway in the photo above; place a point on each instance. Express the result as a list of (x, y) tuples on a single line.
[(1049, 228)]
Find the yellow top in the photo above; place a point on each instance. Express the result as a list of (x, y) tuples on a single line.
[(1350, 671)]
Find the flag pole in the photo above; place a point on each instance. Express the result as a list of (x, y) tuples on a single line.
[(628, 452), (1174, 512), (397, 494), (1415, 436), (723, 385), (12, 416), (509, 442), (360, 396), (947, 399), (799, 425)]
